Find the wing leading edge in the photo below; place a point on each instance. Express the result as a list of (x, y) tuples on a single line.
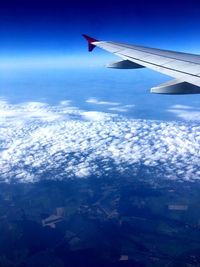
[(185, 68)]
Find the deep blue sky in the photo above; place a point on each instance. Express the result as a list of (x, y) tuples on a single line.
[(54, 27)]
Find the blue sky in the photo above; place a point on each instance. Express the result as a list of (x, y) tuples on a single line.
[(50, 28)]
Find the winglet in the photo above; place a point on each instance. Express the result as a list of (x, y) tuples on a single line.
[(90, 41)]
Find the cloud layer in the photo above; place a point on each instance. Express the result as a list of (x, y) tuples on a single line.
[(38, 141)]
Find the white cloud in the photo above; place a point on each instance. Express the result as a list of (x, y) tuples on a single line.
[(115, 106), (124, 108), (95, 115), (65, 102), (188, 113), (181, 107), (94, 100), (62, 141)]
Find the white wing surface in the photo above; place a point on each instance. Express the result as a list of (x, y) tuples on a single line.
[(184, 67)]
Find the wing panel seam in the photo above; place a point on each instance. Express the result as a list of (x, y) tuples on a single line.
[(170, 57)]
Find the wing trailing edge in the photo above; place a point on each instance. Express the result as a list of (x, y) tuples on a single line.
[(124, 64)]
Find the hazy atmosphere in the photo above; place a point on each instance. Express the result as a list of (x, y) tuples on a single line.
[(94, 169)]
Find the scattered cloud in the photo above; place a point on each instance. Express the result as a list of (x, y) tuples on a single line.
[(124, 108), (115, 106), (181, 107), (188, 113), (95, 101)]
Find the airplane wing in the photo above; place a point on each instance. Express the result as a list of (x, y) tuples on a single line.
[(184, 67)]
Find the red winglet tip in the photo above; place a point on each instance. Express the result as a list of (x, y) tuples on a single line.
[(90, 41)]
